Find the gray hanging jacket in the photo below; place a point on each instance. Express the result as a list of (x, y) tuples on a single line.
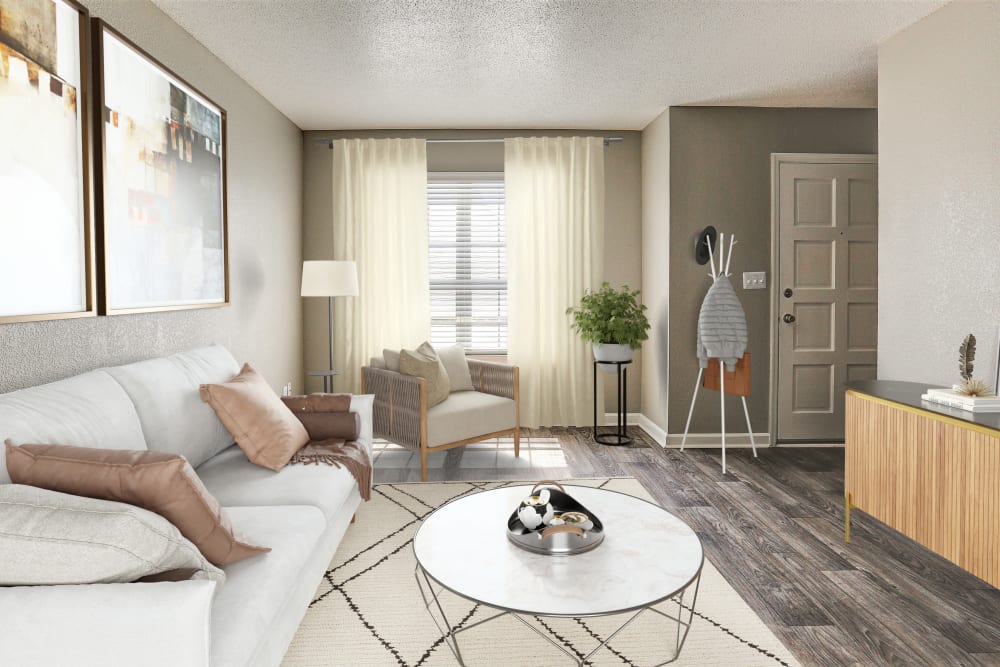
[(722, 326)]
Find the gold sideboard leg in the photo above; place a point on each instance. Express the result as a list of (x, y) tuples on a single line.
[(847, 518)]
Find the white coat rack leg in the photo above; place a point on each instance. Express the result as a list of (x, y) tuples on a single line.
[(694, 396), (722, 410), (746, 413)]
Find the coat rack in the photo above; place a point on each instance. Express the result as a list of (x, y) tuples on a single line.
[(722, 337)]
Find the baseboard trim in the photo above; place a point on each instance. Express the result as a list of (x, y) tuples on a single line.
[(658, 435), (714, 440), (631, 419), (707, 440)]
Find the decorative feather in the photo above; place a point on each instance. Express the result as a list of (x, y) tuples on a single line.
[(966, 356)]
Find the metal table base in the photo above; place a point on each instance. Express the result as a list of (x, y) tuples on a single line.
[(450, 632)]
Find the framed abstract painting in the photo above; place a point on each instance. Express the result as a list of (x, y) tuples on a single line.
[(46, 213), (162, 178)]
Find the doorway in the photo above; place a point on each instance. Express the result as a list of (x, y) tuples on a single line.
[(824, 312)]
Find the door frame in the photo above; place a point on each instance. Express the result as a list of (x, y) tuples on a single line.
[(778, 159)]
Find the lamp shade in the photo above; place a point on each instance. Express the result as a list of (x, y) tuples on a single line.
[(329, 278)]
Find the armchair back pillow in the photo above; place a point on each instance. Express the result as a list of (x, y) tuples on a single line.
[(267, 431), (391, 359), (424, 362), (457, 367), (156, 481)]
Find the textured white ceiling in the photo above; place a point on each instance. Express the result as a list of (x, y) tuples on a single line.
[(588, 64)]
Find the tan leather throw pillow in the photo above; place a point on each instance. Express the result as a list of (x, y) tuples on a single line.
[(325, 416), (156, 481), (266, 430), (424, 362)]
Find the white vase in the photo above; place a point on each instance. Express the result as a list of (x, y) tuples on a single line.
[(611, 352)]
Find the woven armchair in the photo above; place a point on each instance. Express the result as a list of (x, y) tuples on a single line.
[(401, 414)]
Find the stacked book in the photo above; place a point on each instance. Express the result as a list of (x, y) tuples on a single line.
[(954, 399)]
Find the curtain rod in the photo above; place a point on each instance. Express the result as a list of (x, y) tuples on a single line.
[(329, 142)]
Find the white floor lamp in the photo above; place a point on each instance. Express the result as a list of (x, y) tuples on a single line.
[(329, 279)]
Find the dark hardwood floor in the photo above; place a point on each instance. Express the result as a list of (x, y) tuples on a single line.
[(774, 527)]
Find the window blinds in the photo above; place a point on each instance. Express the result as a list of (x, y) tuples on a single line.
[(467, 261)]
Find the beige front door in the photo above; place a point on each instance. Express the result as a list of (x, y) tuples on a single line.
[(826, 301)]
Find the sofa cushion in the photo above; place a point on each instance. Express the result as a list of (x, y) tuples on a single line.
[(377, 362), (467, 414), (257, 590), (48, 537), (157, 481), (165, 388), (236, 482), (89, 410), (264, 428)]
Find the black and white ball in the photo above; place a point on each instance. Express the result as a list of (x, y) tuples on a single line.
[(536, 511)]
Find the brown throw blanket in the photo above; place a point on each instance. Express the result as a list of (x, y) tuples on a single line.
[(333, 431)]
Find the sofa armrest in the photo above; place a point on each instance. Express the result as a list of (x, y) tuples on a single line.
[(107, 624), (400, 405), (495, 378)]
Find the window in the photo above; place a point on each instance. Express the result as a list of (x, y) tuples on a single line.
[(468, 261)]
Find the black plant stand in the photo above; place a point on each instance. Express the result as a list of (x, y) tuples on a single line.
[(620, 437)]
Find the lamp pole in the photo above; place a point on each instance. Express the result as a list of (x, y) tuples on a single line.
[(329, 311)]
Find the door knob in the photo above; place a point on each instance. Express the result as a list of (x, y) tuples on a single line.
[(788, 318), (788, 292)]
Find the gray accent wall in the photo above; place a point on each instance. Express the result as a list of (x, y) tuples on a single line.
[(622, 217), (939, 203), (264, 323), (720, 175)]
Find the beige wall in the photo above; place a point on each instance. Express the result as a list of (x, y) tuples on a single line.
[(720, 175), (263, 324), (939, 194), (623, 220), (656, 267)]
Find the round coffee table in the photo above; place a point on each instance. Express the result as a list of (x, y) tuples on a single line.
[(648, 556)]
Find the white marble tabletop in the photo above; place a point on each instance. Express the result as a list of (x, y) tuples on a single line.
[(647, 555)]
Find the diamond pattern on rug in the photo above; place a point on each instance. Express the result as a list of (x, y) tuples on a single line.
[(368, 609)]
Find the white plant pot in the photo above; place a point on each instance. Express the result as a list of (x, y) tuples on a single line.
[(611, 352)]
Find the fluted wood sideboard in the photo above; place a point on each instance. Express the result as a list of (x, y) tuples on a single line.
[(932, 473)]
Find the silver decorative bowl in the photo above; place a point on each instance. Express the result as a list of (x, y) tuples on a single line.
[(573, 528)]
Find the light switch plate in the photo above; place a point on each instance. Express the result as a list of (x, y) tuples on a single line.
[(754, 280)]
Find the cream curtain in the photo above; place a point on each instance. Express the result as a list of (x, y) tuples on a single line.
[(380, 222), (555, 236)]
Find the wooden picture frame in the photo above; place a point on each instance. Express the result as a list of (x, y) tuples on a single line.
[(162, 218), (47, 254)]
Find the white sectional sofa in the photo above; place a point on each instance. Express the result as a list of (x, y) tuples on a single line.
[(301, 512)]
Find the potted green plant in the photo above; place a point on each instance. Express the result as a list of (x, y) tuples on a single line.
[(613, 320)]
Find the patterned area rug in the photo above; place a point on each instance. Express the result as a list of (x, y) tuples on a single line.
[(368, 610)]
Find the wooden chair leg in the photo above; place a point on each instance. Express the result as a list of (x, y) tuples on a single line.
[(517, 442), (423, 464)]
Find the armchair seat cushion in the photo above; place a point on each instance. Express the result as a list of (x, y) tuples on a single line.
[(468, 414)]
